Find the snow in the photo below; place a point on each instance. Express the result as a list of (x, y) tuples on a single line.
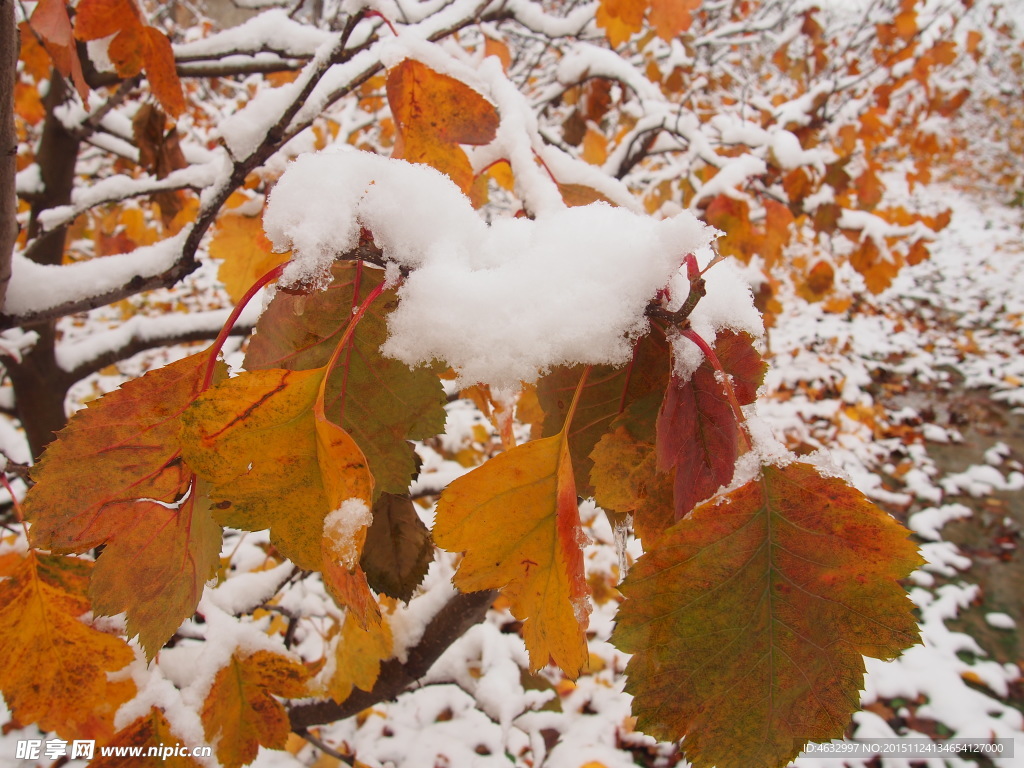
[(500, 303), (342, 529), (928, 522), (272, 30), (38, 287), (1000, 620)]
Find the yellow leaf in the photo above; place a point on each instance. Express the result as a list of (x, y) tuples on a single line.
[(358, 656), (595, 147), (246, 253), (621, 19), (517, 521), (273, 460)]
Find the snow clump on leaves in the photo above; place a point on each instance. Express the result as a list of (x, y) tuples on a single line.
[(499, 303)]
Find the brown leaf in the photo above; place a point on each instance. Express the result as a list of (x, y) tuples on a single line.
[(398, 548)]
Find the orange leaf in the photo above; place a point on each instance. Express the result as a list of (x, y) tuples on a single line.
[(36, 62), (241, 713), (778, 220), (96, 19), (671, 17), (869, 189), (134, 47), (733, 218), (818, 282), (358, 656), (161, 72), (50, 21), (494, 47), (127, 51), (152, 731), (748, 619), (115, 477), (878, 269), (245, 252), (918, 252), (53, 668), (516, 519), (435, 113), (621, 19)]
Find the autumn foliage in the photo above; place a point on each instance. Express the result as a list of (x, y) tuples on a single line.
[(764, 579)]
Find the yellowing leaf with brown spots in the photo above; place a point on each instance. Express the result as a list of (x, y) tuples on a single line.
[(625, 474), (436, 113), (244, 251), (302, 332), (53, 667), (358, 656), (515, 518), (241, 714), (749, 619), (272, 458)]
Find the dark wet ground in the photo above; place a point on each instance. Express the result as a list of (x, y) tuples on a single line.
[(992, 536)]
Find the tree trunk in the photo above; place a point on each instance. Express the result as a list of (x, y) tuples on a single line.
[(40, 386), (8, 141)]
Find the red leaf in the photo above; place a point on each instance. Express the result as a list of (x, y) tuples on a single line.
[(698, 437), (698, 434)]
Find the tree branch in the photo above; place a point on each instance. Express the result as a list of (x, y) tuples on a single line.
[(451, 622), (140, 338), (8, 141)]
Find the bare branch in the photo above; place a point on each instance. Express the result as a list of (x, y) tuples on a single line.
[(451, 622), (143, 333)]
